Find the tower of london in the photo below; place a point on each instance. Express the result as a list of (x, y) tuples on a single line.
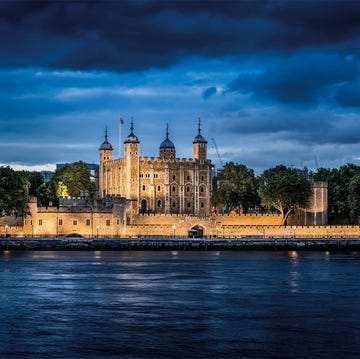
[(160, 185)]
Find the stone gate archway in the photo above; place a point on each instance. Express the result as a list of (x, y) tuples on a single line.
[(196, 232)]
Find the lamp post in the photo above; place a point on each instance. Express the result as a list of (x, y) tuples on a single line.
[(174, 227), (97, 231)]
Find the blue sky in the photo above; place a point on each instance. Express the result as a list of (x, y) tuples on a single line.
[(273, 81)]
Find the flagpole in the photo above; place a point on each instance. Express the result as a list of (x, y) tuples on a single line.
[(121, 122)]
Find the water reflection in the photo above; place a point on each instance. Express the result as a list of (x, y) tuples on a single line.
[(294, 274), (148, 305)]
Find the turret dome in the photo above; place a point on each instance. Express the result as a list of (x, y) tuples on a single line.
[(131, 138), (106, 145), (199, 138), (167, 143)]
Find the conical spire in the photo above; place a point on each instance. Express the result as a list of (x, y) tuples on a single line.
[(131, 138), (167, 143), (106, 145), (199, 138)]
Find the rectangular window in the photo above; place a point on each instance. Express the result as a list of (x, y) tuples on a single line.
[(60, 222), (88, 222), (40, 222), (74, 223), (118, 221), (108, 222)]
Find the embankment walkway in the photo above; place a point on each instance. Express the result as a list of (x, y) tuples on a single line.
[(186, 244)]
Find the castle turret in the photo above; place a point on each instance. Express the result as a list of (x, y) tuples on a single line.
[(200, 146), (105, 156), (167, 148), (131, 159)]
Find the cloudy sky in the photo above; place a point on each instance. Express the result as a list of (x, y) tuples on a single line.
[(272, 81)]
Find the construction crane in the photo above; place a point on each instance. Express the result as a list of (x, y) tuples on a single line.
[(217, 152)]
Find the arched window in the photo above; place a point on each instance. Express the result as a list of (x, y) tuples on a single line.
[(174, 177), (173, 188), (143, 187), (187, 189), (158, 188), (174, 204), (159, 203), (201, 189)]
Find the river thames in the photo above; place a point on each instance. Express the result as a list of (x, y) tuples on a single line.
[(177, 304)]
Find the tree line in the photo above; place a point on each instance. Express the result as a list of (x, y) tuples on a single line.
[(16, 187), (284, 189), (235, 188)]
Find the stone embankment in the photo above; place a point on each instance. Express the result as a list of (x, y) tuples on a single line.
[(334, 244)]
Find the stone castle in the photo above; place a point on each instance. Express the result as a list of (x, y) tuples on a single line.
[(162, 196), (162, 185)]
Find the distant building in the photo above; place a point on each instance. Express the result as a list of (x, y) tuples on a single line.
[(165, 184), (47, 175)]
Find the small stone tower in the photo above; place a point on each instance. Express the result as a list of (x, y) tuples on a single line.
[(131, 160), (105, 156), (200, 146), (167, 149)]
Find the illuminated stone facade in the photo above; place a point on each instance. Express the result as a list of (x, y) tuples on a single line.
[(162, 185)]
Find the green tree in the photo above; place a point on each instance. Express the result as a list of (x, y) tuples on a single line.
[(68, 180), (76, 177), (47, 193), (354, 198), (35, 180), (235, 187), (285, 189), (338, 192), (14, 192)]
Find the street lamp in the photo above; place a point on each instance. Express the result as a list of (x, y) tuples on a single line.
[(174, 227)]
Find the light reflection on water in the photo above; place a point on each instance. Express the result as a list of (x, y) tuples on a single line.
[(184, 304)]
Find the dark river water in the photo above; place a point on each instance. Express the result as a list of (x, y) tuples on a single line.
[(179, 304)]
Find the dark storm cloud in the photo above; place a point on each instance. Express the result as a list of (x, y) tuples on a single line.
[(302, 78), (210, 91), (142, 34)]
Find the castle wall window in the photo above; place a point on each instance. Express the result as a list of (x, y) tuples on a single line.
[(159, 203), (188, 189), (74, 223), (188, 205), (40, 222), (201, 189), (108, 222), (202, 205), (202, 178), (143, 187), (188, 178), (173, 188), (158, 188), (174, 204), (60, 222), (88, 222), (174, 177)]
